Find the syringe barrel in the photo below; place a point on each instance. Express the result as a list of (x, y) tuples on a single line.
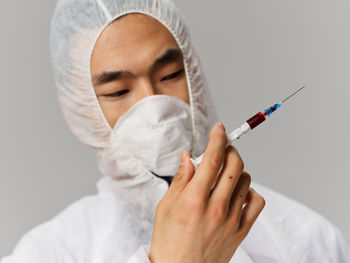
[(250, 124), (235, 135), (244, 128), (256, 120)]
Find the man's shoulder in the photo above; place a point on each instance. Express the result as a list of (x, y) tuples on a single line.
[(287, 212), (76, 222), (85, 207), (286, 206), (297, 231), (63, 236)]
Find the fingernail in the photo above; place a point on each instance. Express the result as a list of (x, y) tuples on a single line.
[(183, 158), (221, 126)]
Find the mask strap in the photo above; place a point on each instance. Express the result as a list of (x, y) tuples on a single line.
[(168, 179)]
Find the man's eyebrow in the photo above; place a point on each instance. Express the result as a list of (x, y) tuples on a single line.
[(109, 76), (170, 55)]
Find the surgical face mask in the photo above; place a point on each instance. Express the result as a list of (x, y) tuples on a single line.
[(155, 130)]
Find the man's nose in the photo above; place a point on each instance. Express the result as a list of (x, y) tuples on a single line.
[(146, 88)]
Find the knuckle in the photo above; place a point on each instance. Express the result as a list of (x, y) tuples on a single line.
[(234, 158), (215, 159), (245, 176), (258, 199), (261, 201), (229, 152), (221, 202), (234, 221), (230, 148), (219, 209), (237, 161), (218, 214), (196, 205)]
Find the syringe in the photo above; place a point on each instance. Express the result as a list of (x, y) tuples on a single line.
[(250, 124)]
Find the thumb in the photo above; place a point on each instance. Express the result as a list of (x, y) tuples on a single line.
[(182, 176)]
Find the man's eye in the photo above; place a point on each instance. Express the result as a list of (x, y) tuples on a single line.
[(173, 75), (118, 93)]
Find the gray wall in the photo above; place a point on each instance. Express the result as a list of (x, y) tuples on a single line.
[(254, 53)]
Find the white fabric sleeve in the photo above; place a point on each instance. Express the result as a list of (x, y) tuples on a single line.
[(41, 247), (141, 256), (337, 248), (326, 244), (38, 248), (33, 250)]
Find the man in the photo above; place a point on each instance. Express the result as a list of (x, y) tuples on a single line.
[(130, 86)]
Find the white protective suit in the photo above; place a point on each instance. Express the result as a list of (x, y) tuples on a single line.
[(115, 225)]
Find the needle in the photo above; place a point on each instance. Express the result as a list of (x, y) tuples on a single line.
[(293, 94)]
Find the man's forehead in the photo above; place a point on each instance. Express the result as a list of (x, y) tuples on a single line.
[(131, 44), (135, 25), (127, 35)]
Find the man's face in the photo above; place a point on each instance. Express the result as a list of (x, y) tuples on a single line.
[(135, 57)]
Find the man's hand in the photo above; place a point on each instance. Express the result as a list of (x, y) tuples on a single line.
[(195, 223)]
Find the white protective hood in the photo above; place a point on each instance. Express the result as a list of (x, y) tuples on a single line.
[(76, 26)]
